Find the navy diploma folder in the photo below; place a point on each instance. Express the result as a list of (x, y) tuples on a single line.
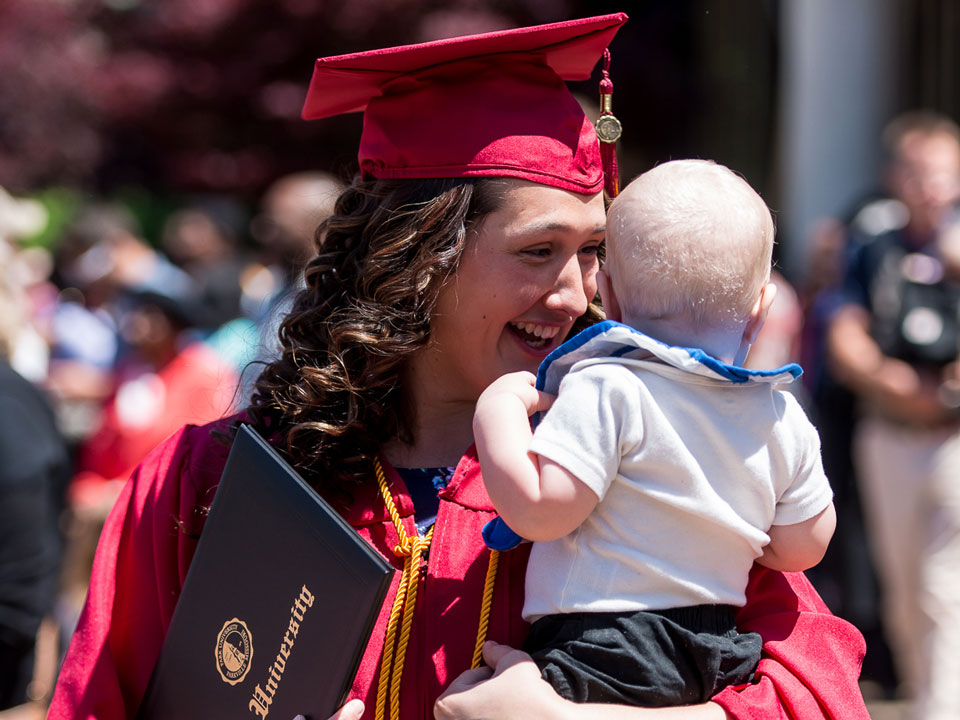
[(277, 606)]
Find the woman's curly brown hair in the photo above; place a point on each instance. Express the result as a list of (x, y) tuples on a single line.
[(336, 393)]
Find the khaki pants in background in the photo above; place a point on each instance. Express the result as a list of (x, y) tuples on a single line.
[(909, 481)]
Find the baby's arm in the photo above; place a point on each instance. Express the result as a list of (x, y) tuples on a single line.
[(797, 547), (537, 498)]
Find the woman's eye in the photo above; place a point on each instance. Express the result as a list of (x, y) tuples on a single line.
[(591, 249), (538, 252)]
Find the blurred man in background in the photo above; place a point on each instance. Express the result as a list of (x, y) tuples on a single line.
[(285, 229), (203, 239), (34, 470), (894, 343)]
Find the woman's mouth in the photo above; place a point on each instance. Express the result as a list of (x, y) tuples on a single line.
[(535, 336)]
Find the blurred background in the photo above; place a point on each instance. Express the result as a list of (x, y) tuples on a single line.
[(158, 193)]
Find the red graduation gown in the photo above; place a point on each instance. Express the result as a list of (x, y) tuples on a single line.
[(809, 668)]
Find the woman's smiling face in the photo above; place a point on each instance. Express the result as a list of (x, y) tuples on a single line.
[(527, 273)]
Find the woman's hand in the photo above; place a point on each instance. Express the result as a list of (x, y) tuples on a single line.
[(353, 710), (510, 687)]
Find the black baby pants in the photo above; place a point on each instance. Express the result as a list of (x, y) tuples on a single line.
[(679, 656)]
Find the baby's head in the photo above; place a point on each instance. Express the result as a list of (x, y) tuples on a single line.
[(689, 247)]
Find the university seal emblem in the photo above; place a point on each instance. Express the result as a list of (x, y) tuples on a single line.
[(234, 651)]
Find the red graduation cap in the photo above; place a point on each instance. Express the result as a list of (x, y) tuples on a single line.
[(489, 105)]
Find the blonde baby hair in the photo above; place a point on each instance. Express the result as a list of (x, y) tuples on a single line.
[(689, 242)]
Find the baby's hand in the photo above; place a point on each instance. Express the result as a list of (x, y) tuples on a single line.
[(520, 385)]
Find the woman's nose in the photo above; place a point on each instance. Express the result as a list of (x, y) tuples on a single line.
[(568, 294)]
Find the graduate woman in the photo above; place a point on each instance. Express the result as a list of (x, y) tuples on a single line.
[(466, 248)]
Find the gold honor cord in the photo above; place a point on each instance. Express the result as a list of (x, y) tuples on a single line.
[(394, 650), (488, 584)]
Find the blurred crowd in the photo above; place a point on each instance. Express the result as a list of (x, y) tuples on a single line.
[(110, 342)]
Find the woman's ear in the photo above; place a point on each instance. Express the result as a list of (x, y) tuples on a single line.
[(611, 307), (759, 313)]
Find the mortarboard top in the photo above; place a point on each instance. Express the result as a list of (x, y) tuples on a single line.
[(489, 105)]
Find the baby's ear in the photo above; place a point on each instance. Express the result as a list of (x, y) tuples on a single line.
[(759, 313), (611, 307)]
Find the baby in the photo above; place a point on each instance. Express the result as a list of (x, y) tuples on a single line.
[(663, 469)]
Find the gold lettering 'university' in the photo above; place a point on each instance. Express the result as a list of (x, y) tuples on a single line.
[(263, 696)]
